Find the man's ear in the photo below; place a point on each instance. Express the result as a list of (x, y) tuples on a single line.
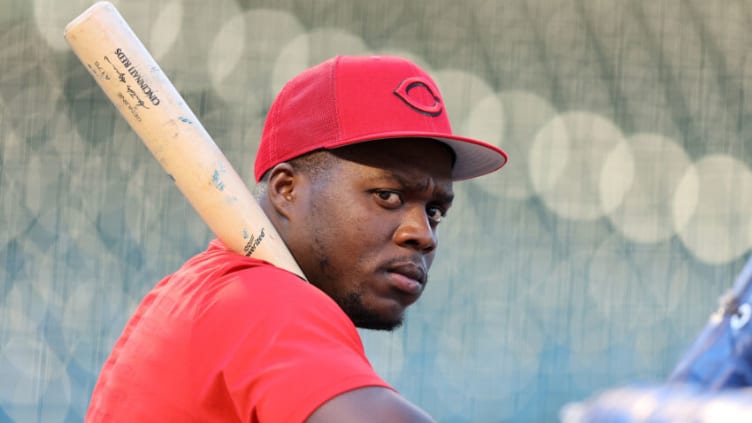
[(281, 188)]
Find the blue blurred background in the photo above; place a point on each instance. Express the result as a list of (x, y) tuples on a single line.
[(592, 260)]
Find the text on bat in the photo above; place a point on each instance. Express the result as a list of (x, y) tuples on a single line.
[(147, 90)]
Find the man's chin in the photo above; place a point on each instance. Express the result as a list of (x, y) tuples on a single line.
[(368, 318), (385, 325)]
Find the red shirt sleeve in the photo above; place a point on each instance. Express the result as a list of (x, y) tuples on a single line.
[(274, 348)]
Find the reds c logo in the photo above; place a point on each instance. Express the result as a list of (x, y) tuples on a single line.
[(417, 93)]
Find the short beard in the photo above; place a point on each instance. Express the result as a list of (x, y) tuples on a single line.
[(364, 318)]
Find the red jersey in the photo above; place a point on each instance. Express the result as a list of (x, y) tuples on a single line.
[(230, 338)]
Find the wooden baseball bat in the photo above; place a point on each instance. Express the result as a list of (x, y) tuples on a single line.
[(152, 106)]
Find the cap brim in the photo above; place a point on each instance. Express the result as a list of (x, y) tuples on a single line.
[(473, 158)]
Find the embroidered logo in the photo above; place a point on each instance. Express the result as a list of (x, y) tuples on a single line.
[(419, 95)]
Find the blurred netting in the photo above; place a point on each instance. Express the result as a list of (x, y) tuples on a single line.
[(592, 260)]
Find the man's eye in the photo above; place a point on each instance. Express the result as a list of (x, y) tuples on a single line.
[(436, 214), (390, 199)]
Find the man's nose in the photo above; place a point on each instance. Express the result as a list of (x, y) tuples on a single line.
[(415, 231)]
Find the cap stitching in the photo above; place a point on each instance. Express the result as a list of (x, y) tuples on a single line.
[(275, 127), (334, 87)]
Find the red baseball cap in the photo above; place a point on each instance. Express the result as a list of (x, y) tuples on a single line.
[(352, 99)]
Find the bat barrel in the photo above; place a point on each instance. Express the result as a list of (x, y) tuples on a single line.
[(152, 106)]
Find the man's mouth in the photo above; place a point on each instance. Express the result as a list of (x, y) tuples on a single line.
[(409, 277)]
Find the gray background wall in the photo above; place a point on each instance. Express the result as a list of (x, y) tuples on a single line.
[(592, 260)]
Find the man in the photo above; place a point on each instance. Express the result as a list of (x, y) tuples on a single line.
[(355, 170)]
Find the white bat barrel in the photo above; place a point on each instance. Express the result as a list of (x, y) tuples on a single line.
[(148, 101)]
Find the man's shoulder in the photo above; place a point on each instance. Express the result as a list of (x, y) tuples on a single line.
[(218, 264), (218, 276), (219, 280)]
